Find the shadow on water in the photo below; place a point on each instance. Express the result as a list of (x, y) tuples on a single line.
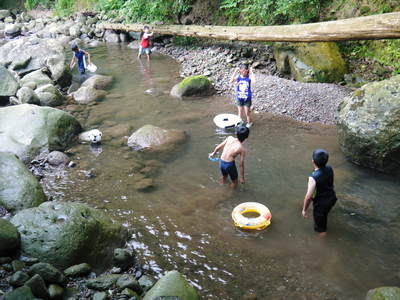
[(184, 221)]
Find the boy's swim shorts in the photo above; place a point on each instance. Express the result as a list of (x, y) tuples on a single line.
[(229, 168), (243, 102)]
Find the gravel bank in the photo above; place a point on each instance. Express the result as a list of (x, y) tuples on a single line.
[(306, 102)]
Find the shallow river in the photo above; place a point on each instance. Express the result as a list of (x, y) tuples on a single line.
[(184, 222)]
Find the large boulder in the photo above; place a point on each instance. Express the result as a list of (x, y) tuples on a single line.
[(99, 82), (193, 86), (19, 189), (49, 96), (310, 62), (9, 238), (48, 53), (12, 30), (21, 293), (36, 79), (368, 125), (172, 284), (111, 37), (384, 293), (4, 13), (28, 130), (156, 139), (86, 94), (65, 234), (8, 85), (27, 95)]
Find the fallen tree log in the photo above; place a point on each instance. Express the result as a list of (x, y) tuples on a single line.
[(383, 26)]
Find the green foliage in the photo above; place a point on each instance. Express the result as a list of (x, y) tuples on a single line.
[(267, 12), (64, 7), (31, 4), (185, 40)]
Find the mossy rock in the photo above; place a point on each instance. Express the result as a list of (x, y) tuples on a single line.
[(368, 125), (28, 130), (311, 62), (384, 293), (9, 238), (19, 189), (193, 86), (172, 284), (65, 234)]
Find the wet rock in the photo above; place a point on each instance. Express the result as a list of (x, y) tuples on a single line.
[(310, 62), (27, 95), (28, 130), (78, 270), (384, 293), (156, 139), (85, 95), (19, 189), (368, 125), (103, 282), (129, 293), (9, 236), (49, 96), (129, 281), (57, 158), (100, 296), (17, 265), (111, 37), (49, 273), (38, 78), (156, 92), (55, 292), (193, 86), (46, 233), (99, 82), (123, 258), (18, 279), (146, 283), (38, 287), (172, 284), (144, 184), (8, 85), (21, 293)]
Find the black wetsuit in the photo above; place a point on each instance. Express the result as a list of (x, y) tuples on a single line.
[(325, 197)]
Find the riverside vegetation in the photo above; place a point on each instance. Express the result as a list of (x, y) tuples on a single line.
[(34, 73)]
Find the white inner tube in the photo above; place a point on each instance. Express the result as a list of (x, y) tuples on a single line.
[(227, 120)]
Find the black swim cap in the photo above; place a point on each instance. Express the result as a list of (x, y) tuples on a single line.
[(242, 133), (320, 157), (244, 66)]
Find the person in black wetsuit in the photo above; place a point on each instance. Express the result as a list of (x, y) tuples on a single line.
[(320, 191)]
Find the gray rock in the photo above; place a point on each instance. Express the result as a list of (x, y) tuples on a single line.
[(17, 265), (384, 293), (37, 77), (57, 158), (100, 296), (8, 84), (103, 282), (111, 37), (20, 62), (129, 281), (12, 30), (38, 286), (123, 258), (85, 95), (28, 130), (146, 283), (94, 234), (27, 95), (156, 139), (129, 293), (193, 86), (19, 189), (4, 13), (55, 292), (9, 236), (172, 284), (368, 125), (99, 82), (21, 293), (49, 95), (78, 270), (75, 31), (49, 273), (18, 278)]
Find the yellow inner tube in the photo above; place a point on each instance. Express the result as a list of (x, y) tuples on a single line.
[(258, 223)]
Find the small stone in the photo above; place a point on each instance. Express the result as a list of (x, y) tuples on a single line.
[(57, 158), (123, 258), (17, 265), (18, 278), (146, 282), (116, 270), (128, 281), (281, 288), (100, 296), (77, 270), (22, 292), (29, 261), (55, 291), (103, 282), (38, 287), (71, 164), (49, 273), (128, 292)]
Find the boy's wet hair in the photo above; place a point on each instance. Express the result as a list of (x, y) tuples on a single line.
[(243, 66), (146, 27), (320, 157), (74, 48), (242, 133)]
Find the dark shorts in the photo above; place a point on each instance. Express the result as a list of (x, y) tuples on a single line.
[(228, 168), (81, 71), (320, 213), (243, 102)]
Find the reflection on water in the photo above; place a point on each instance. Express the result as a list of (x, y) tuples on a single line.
[(184, 221)]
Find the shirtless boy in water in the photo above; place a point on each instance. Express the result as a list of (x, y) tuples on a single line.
[(231, 148)]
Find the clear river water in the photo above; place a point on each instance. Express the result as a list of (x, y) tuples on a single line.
[(184, 221)]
